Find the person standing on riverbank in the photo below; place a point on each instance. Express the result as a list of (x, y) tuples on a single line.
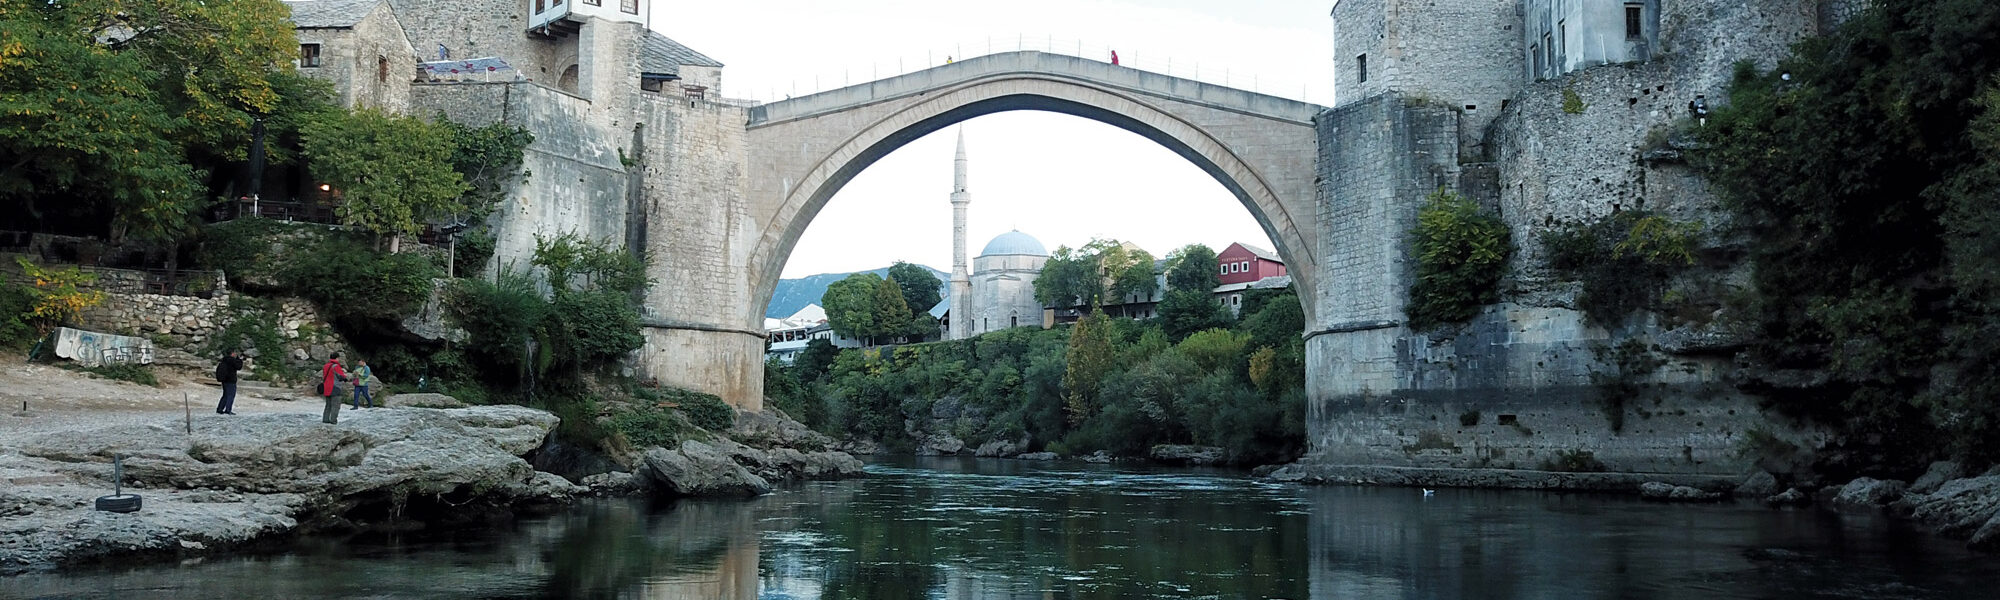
[(225, 373), (329, 374), (361, 375)]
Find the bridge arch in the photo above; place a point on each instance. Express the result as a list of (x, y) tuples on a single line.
[(1259, 148)]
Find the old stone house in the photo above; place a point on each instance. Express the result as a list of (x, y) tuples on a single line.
[(359, 47)]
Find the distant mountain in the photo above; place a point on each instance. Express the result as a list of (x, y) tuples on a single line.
[(794, 294)]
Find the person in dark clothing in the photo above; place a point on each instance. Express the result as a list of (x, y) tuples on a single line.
[(225, 372)]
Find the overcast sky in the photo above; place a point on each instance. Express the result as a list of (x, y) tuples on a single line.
[(1060, 178)]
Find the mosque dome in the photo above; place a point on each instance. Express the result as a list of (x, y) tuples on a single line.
[(1014, 242)]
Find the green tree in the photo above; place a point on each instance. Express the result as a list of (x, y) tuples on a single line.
[(850, 305), (892, 315), (1090, 357), (1130, 271), (920, 287), (488, 160), (391, 173), (1862, 185), (1183, 312), (1193, 267), (129, 105), (1069, 278)]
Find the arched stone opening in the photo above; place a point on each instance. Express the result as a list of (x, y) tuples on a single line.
[(1016, 92)]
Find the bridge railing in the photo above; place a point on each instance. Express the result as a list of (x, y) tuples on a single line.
[(1294, 86)]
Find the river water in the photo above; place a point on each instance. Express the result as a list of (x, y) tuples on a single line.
[(985, 528)]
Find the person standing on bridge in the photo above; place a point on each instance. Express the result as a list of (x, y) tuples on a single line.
[(1114, 57), (330, 373)]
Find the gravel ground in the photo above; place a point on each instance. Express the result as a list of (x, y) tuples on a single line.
[(59, 399)]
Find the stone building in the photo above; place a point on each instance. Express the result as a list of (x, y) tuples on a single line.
[(359, 47), (1003, 284), (1565, 35)]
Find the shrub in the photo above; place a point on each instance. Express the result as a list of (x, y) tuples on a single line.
[(1572, 103), (254, 326), (1461, 255), (1574, 461), (1623, 260), (132, 373), (649, 427), (16, 305), (474, 248), (348, 279)]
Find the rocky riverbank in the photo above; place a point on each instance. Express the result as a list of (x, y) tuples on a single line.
[(760, 449), (1956, 503), (237, 480)]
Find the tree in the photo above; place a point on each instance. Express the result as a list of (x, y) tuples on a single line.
[(1129, 271), (1069, 278), (1091, 356), (1184, 312), (128, 106), (892, 315), (866, 306), (391, 173), (1193, 267), (920, 287), (488, 159)]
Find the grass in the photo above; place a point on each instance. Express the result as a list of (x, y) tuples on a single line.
[(139, 374)]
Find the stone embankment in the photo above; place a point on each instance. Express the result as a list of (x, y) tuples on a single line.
[(237, 480)]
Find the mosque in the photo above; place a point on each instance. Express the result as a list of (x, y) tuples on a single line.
[(999, 291)]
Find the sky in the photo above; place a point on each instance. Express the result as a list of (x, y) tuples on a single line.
[(1062, 179)]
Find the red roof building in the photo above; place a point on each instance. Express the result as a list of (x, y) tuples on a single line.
[(1243, 263)]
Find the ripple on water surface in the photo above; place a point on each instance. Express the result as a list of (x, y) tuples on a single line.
[(995, 529)]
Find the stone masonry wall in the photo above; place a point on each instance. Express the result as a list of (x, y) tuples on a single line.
[(700, 235), (576, 183), (1520, 384), (1450, 53)]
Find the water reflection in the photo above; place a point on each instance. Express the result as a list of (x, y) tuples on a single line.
[(983, 529)]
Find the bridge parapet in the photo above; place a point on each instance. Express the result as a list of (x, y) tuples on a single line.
[(1042, 64)]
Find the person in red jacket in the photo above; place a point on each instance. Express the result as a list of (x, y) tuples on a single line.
[(330, 373)]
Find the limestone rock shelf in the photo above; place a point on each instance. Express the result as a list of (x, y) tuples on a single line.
[(237, 480)]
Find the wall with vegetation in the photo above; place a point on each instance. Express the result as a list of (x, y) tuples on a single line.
[(1606, 334)]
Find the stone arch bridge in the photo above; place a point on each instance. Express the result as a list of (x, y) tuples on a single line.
[(727, 209)]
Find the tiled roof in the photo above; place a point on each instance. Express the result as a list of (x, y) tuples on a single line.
[(662, 56), (1262, 253), (329, 13)]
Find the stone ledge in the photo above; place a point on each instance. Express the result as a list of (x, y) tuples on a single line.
[(1514, 479)]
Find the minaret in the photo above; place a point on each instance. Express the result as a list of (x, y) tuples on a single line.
[(961, 278)]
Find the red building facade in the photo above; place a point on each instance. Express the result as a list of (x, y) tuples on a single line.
[(1240, 263)]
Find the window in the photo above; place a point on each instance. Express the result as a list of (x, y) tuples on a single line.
[(1535, 52), (541, 5), (1224, 269), (1548, 54), (555, 2), (1016, 322), (381, 69), (1361, 65), (594, 2), (1634, 14), (308, 55), (629, 6)]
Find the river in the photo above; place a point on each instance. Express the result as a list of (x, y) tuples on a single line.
[(986, 528)]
